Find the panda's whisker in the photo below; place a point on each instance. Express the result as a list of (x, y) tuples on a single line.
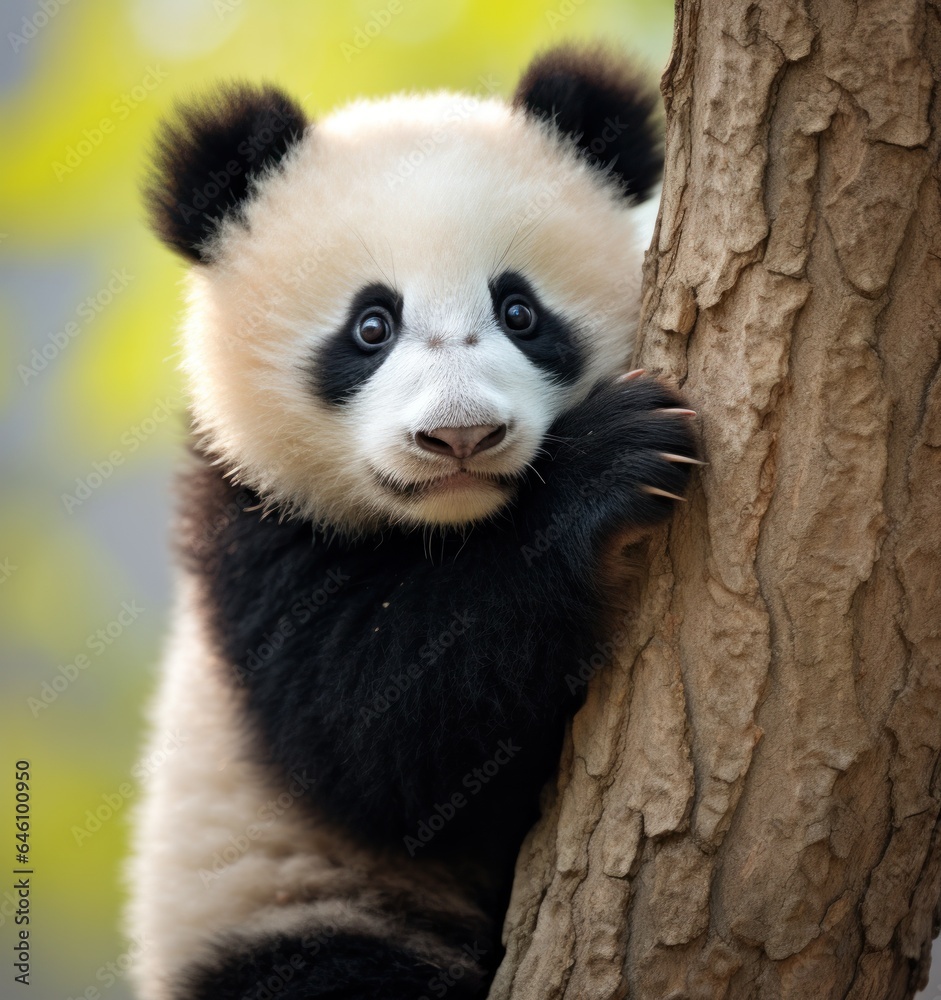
[(429, 537), (466, 532), (395, 284), (496, 264), (372, 257), (529, 236), (535, 472)]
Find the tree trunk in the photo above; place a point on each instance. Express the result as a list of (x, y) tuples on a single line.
[(749, 802)]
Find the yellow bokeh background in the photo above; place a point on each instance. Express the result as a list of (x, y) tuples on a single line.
[(93, 413)]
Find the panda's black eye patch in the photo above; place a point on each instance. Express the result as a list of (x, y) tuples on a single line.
[(374, 328), (518, 316), (547, 338), (350, 356)]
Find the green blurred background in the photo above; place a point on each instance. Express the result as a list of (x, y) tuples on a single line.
[(90, 392)]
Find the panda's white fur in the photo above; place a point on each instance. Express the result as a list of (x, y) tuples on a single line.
[(496, 187), (239, 866)]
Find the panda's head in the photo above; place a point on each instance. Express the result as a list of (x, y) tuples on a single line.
[(388, 308)]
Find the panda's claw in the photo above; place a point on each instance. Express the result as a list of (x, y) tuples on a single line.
[(657, 492), (677, 411), (630, 376), (669, 456)]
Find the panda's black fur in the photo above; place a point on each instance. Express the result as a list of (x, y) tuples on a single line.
[(414, 687), (207, 158), (516, 615)]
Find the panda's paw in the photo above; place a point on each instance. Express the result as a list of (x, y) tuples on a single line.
[(625, 454), (672, 425)]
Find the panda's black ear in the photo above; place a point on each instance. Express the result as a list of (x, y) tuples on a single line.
[(206, 157), (604, 105)]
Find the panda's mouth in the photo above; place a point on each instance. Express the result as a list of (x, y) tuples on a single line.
[(460, 479)]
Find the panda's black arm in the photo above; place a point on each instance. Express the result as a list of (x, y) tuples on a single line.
[(395, 675)]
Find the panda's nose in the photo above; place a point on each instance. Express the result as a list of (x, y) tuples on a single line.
[(461, 442)]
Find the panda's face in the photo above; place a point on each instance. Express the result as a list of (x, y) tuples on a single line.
[(403, 308), (446, 389)]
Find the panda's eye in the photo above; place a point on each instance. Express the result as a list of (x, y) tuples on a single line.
[(517, 315), (373, 329)]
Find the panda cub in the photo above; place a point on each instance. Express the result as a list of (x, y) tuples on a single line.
[(415, 449)]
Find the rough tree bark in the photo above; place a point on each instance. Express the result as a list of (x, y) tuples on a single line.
[(749, 802)]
